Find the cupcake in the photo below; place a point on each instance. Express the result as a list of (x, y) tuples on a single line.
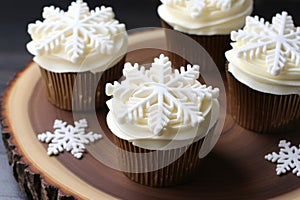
[(159, 118), (77, 52), (264, 74), (207, 22)]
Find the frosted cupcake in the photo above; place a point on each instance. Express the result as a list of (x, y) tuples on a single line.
[(159, 118), (264, 74), (208, 22), (78, 51)]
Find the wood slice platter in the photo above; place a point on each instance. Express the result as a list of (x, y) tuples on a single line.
[(235, 169)]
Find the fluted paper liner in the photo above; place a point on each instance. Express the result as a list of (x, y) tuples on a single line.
[(88, 88), (215, 45), (262, 112), (179, 171)]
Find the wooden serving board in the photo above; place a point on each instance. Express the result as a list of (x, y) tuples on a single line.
[(235, 169)]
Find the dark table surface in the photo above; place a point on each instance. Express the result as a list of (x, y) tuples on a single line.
[(15, 15)]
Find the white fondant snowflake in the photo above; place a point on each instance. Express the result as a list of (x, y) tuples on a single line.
[(68, 137), (287, 159), (77, 31), (161, 96), (279, 42), (197, 7)]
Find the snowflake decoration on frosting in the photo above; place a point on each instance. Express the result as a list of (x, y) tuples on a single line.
[(161, 96), (197, 7), (287, 159), (69, 138), (78, 30), (279, 42)]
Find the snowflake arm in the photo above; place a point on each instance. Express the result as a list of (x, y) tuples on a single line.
[(196, 93), (159, 115), (119, 91), (111, 27), (256, 43), (69, 138), (51, 43), (283, 23), (135, 106), (293, 45), (100, 42), (185, 76), (287, 159), (56, 23), (135, 74), (161, 70), (276, 61), (258, 25), (56, 148), (46, 137), (103, 41), (206, 92), (196, 7), (75, 46), (221, 4), (51, 13), (253, 50), (294, 33), (100, 15), (187, 112)]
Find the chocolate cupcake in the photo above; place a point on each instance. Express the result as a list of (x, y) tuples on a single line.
[(207, 22), (78, 51), (264, 73), (159, 118)]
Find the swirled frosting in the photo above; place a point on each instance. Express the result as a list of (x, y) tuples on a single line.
[(77, 40), (159, 108), (205, 17), (266, 56)]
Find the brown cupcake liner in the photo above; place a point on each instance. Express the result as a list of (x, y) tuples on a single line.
[(81, 91), (181, 170), (215, 45), (262, 112)]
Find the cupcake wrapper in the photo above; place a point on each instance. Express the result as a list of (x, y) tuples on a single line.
[(88, 88), (215, 45), (179, 171), (261, 112)]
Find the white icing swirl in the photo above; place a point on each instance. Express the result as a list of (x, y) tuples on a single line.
[(266, 57), (77, 40), (159, 109), (205, 17)]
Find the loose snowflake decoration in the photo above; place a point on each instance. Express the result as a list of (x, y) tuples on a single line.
[(69, 138), (287, 159), (197, 7), (161, 96), (77, 31), (279, 42)]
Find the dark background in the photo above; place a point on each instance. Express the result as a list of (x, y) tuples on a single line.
[(16, 14)]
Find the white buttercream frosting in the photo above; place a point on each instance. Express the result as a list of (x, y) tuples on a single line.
[(266, 56), (77, 40), (161, 108), (205, 17)]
